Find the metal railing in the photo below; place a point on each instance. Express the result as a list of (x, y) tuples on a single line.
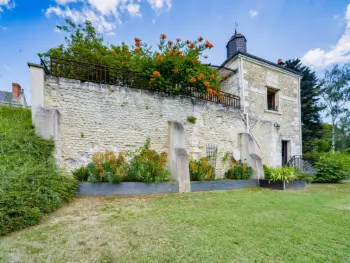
[(300, 164), (59, 67)]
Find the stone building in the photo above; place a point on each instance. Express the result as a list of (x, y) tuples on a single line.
[(263, 126), (15, 97)]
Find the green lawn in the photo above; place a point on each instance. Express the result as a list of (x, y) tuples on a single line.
[(226, 226)]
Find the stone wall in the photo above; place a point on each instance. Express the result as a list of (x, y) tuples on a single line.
[(96, 117)]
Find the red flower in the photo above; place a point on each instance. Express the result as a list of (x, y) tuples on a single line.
[(200, 39), (208, 44), (163, 36), (178, 39), (137, 41)]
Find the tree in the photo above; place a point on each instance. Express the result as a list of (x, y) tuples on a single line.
[(310, 107), (335, 92)]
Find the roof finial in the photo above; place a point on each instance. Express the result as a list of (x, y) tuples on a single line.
[(236, 25)]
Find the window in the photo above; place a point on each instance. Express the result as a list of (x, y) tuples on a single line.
[(272, 99)]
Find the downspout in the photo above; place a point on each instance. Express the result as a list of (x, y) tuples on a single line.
[(243, 97), (300, 130)]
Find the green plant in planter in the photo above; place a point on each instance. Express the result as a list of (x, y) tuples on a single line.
[(201, 170), (81, 174), (239, 171), (280, 173)]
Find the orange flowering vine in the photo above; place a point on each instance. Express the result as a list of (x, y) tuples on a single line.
[(171, 53), (201, 76), (170, 42), (153, 79), (192, 80), (212, 75), (156, 73), (206, 83), (178, 39), (196, 60), (159, 58), (163, 36), (192, 45), (208, 44), (200, 39), (178, 51), (137, 49), (137, 41), (221, 96)]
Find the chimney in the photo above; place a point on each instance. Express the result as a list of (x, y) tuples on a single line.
[(16, 91), (237, 43), (280, 62)]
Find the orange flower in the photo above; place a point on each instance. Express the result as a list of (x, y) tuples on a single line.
[(214, 91), (221, 96), (212, 75), (137, 49), (160, 58), (170, 42), (123, 62), (208, 44), (127, 51), (196, 60), (175, 70), (192, 45), (192, 80), (171, 53), (156, 73), (178, 52), (207, 84), (178, 39), (162, 36), (210, 91), (200, 39), (201, 76), (137, 41), (153, 79)]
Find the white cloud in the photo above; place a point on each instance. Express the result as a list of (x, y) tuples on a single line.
[(105, 15), (3, 28), (339, 53), (253, 13), (160, 5), (9, 4), (8, 68), (335, 17)]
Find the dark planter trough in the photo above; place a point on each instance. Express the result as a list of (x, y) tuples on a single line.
[(127, 188), (222, 185), (282, 185)]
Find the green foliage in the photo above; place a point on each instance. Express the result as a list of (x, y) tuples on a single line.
[(239, 171), (191, 119), (145, 166), (31, 184), (172, 68), (201, 170), (226, 157), (332, 167), (280, 173), (310, 108)]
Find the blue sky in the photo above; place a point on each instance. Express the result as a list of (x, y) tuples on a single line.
[(318, 31)]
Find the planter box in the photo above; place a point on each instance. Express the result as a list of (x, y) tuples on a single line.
[(127, 188), (222, 185), (282, 185)]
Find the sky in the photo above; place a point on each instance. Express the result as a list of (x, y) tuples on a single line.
[(316, 31)]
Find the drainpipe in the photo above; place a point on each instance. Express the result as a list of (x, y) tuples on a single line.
[(300, 131), (243, 97)]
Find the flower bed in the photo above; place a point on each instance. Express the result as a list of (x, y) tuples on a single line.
[(283, 185)]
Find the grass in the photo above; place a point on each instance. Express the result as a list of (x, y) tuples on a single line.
[(252, 225)]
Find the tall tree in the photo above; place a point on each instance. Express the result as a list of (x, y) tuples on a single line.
[(310, 107), (335, 92)]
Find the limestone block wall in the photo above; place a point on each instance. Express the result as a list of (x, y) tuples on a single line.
[(96, 117)]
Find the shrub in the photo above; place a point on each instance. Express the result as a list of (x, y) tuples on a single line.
[(191, 119), (201, 170), (332, 167), (31, 185), (148, 166), (239, 171), (280, 173), (145, 166)]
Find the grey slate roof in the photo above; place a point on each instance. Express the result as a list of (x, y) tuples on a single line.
[(6, 97), (261, 60)]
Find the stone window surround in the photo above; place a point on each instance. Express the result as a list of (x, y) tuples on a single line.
[(277, 98)]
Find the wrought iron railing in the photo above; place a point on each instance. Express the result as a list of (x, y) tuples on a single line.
[(300, 164), (59, 67)]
